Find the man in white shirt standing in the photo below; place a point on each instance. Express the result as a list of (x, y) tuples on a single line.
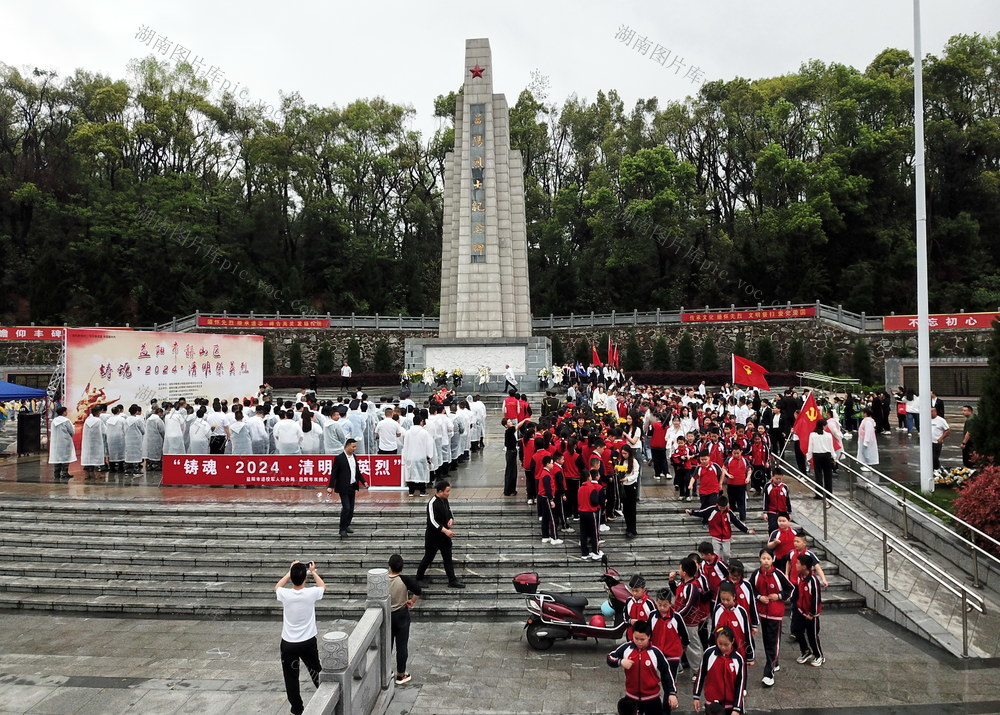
[(388, 433), (939, 431), (298, 629), (345, 376)]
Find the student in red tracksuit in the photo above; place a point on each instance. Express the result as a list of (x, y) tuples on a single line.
[(716, 449), (709, 477), (638, 606), (807, 603), (679, 458), (558, 460), (669, 633), (722, 677), (760, 463), (547, 502), (573, 469), (512, 408), (527, 454), (720, 525), (712, 568), (738, 471), (588, 501), (649, 683), (658, 447), (729, 613), (744, 593), (802, 547), (691, 605), (777, 499), (782, 542), (771, 589)]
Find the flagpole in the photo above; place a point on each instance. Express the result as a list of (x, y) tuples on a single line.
[(732, 367), (923, 326)]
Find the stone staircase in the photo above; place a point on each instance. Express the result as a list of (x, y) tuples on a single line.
[(220, 561)]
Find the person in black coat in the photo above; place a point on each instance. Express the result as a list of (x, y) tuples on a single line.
[(438, 535), (346, 479)]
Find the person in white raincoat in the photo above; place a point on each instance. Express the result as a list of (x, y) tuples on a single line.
[(92, 446), (135, 429), (198, 433), (867, 442), (239, 434), (62, 451), (418, 455), (174, 423), (152, 446), (114, 430)]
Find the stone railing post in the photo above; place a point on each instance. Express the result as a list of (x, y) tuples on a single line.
[(335, 658), (378, 597)]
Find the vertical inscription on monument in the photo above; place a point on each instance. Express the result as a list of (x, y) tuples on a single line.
[(477, 138)]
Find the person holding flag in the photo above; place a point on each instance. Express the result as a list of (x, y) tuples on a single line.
[(813, 440)]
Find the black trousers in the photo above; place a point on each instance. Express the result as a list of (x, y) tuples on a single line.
[(510, 474), (630, 496), (967, 456), (629, 706), (770, 631), (400, 626), (346, 508), (806, 632), (530, 486), (548, 522), (291, 654), (708, 500), (823, 463), (936, 449), (682, 478), (588, 532), (572, 505), (738, 499), (435, 541), (217, 444), (659, 461)]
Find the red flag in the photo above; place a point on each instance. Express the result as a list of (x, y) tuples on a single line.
[(805, 425), (611, 352), (595, 359), (747, 372)]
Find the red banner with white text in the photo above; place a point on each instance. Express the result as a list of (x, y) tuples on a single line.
[(205, 321), (723, 316), (275, 470), (943, 321)]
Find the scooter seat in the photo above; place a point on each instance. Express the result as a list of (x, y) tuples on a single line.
[(577, 603)]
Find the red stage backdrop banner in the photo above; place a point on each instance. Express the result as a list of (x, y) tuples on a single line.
[(293, 470), (207, 322), (728, 316), (129, 366), (944, 321)]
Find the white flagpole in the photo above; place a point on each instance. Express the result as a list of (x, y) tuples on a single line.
[(923, 325), (732, 367)]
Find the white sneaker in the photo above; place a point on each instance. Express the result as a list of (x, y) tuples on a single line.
[(546, 540), (776, 668), (804, 658), (605, 527), (817, 662), (767, 682), (588, 557), (556, 542), (598, 556)]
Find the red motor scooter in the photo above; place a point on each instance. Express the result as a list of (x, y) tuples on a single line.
[(555, 616)]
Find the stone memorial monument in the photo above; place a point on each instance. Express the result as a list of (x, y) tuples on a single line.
[(485, 308)]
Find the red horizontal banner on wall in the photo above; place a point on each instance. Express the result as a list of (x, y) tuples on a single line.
[(943, 321), (292, 470), (207, 322), (32, 332), (728, 316)]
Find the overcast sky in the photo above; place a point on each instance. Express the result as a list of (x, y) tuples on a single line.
[(409, 52)]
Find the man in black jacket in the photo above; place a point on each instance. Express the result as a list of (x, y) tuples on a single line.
[(346, 479), (438, 534)]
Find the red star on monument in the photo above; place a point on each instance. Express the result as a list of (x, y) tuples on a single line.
[(477, 71)]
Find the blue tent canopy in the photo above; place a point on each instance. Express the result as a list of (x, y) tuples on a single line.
[(10, 391)]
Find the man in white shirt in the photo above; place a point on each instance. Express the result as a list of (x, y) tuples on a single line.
[(345, 376), (388, 433), (508, 375), (939, 431), (298, 629)]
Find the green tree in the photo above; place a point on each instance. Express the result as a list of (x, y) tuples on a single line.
[(558, 354), (797, 360), (661, 353), (862, 362), (740, 345), (582, 354), (382, 358), (765, 352), (269, 358), (295, 358), (354, 355), (709, 355), (633, 354), (986, 423), (324, 359), (830, 363), (685, 353)]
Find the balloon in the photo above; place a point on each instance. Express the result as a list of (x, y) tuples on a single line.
[(597, 621)]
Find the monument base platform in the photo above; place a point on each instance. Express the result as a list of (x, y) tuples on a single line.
[(525, 355)]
